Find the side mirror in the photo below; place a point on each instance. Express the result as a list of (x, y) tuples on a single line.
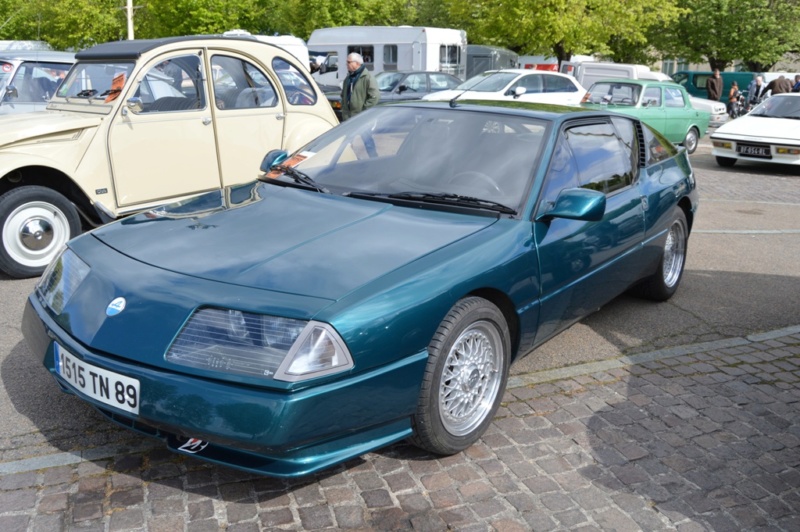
[(11, 93), (578, 204), (652, 103), (519, 91), (402, 88), (135, 104), (272, 158)]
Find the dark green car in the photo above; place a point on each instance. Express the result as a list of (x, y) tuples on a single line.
[(664, 106)]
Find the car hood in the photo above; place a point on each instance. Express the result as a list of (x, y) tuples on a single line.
[(20, 127), (286, 239), (759, 127)]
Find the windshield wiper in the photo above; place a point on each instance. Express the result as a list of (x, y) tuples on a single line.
[(86, 93), (301, 178), (443, 198), (106, 93)]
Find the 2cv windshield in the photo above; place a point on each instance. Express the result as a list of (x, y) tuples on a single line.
[(96, 81)]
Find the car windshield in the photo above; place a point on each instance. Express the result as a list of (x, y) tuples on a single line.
[(387, 81), (779, 106), (614, 93), (95, 82), (488, 82), (427, 151)]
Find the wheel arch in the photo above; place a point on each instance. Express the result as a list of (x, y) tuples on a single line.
[(53, 179), (506, 306), (685, 205)]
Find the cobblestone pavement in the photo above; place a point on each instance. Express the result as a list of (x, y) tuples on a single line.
[(700, 437)]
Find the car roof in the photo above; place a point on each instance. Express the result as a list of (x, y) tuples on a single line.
[(549, 112), (43, 55), (135, 48), (640, 82)]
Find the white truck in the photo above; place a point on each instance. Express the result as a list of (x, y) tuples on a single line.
[(390, 48)]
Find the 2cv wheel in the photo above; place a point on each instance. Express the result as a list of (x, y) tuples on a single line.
[(35, 223)]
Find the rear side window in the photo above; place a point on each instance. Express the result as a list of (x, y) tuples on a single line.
[(239, 84), (673, 97), (295, 84), (656, 146), (35, 82), (558, 84)]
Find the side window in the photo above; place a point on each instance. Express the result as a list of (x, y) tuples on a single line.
[(240, 84), (175, 84), (440, 82), (652, 96), (558, 84), (367, 52), (390, 57), (658, 148), (532, 84), (673, 97), (295, 84), (626, 133), (415, 83), (700, 80), (562, 174), (603, 162)]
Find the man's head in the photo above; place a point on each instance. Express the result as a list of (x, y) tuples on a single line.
[(759, 80), (354, 61), (797, 77), (716, 73)]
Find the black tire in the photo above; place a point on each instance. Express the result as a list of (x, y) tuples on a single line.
[(457, 404), (35, 223), (663, 283), (691, 140), (726, 162)]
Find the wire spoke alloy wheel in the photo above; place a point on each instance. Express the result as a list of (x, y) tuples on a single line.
[(471, 378), (674, 254)]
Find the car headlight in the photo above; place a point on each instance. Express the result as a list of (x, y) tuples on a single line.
[(244, 343), (60, 280)]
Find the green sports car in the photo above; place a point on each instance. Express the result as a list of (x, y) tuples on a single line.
[(374, 286)]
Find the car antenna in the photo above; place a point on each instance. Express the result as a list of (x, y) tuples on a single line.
[(456, 97)]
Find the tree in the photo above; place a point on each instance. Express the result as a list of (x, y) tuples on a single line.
[(559, 28), (759, 32)]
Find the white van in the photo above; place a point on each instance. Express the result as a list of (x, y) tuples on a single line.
[(587, 72), (294, 45), (395, 48)]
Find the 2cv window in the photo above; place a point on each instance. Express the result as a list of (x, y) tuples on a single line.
[(240, 84), (174, 84)]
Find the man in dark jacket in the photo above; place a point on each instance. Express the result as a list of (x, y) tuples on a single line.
[(714, 86), (359, 90)]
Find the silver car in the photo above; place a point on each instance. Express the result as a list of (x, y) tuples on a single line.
[(29, 79)]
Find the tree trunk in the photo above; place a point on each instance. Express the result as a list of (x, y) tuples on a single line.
[(718, 64)]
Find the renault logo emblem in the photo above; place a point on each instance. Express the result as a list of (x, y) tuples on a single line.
[(115, 307)]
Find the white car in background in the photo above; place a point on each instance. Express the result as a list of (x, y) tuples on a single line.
[(518, 84), (770, 133), (717, 110)]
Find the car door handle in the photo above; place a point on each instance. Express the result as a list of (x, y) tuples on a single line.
[(206, 120), (280, 116)]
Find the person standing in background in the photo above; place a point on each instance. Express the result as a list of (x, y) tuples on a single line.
[(360, 90), (714, 86)]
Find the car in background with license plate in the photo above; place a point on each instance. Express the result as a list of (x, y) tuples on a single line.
[(664, 106), (373, 286), (139, 123), (770, 133)]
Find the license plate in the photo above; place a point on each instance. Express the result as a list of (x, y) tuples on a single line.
[(754, 151), (102, 385)]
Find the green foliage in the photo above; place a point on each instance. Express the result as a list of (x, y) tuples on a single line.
[(722, 31), (718, 31)]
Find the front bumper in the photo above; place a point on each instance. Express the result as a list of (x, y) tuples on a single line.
[(778, 153), (272, 432)]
